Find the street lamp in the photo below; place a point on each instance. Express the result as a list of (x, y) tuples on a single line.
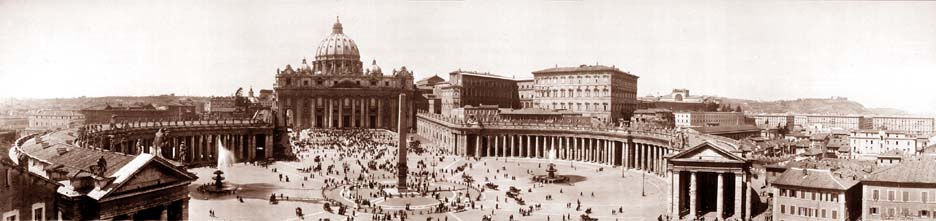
[(643, 184)]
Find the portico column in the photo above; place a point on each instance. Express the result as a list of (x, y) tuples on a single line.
[(328, 113), (675, 184), (313, 114), (366, 112), (380, 115), (747, 197), (737, 195), (353, 113), (341, 104), (692, 195), (163, 215), (720, 201)]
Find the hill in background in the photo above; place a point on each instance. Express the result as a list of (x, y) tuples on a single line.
[(835, 105)]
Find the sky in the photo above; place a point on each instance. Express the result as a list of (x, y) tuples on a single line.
[(879, 53)]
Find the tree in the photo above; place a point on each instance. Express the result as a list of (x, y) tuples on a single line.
[(737, 108)]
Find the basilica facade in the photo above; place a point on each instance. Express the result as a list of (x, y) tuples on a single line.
[(337, 91)]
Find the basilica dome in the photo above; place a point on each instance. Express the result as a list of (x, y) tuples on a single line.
[(337, 45), (337, 54)]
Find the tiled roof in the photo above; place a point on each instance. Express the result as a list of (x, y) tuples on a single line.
[(73, 158), (815, 178), (908, 171)]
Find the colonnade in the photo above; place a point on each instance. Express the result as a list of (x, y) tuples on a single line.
[(197, 148), (590, 149), (342, 111)]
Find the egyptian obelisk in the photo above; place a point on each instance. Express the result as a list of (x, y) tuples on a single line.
[(402, 130)]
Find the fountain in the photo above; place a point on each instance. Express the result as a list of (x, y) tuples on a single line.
[(551, 170), (225, 160)]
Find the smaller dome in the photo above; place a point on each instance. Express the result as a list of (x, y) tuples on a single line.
[(305, 66), (374, 68)]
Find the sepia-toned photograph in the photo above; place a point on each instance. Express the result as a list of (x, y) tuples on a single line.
[(467, 110)]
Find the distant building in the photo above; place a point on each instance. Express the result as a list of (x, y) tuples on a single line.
[(656, 118), (43, 120), (700, 119), (427, 99), (871, 143), (605, 93), (773, 121), (476, 89), (678, 100), (905, 191), (17, 123), (239, 106), (819, 122), (527, 92), (736, 132), (536, 115), (107, 113), (816, 194), (912, 125)]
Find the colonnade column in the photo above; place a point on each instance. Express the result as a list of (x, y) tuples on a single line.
[(510, 152), (252, 147), (527, 146), (477, 147), (625, 153)]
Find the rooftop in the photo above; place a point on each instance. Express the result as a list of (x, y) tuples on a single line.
[(908, 171), (815, 178), (582, 68)]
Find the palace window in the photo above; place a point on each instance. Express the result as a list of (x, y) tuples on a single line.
[(872, 211), (12, 215), (890, 195), (906, 196), (38, 210), (924, 197), (834, 214)]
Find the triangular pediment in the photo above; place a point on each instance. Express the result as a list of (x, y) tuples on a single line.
[(707, 152), (154, 174)]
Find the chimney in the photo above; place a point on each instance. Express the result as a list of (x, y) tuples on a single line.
[(61, 150)]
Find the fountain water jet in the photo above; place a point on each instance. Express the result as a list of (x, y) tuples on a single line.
[(551, 170), (225, 161)]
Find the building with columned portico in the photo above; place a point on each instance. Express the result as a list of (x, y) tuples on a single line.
[(337, 91), (710, 177)]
